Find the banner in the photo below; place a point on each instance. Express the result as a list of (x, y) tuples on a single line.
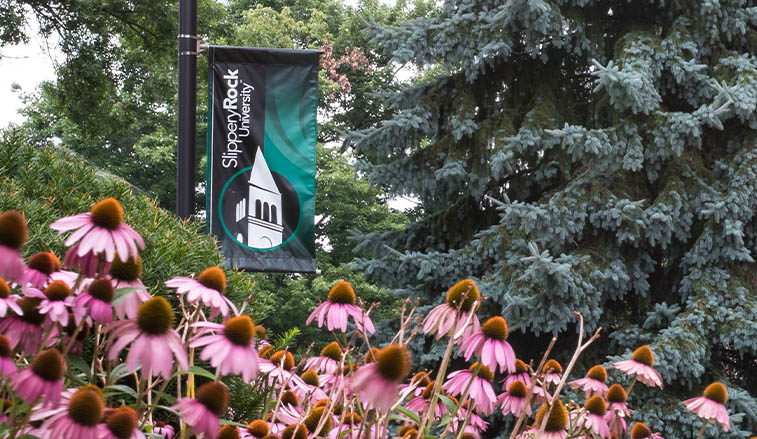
[(261, 156)]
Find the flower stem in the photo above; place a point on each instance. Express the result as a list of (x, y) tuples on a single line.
[(630, 386), (701, 430), (438, 383)]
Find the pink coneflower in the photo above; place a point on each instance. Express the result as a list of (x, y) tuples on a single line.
[(202, 413), (339, 305), (89, 264), (476, 424), (25, 330), (163, 429), (514, 399), (350, 428), (101, 231), (13, 236), (156, 343), (617, 410), (43, 379), (416, 386), (711, 405), (520, 374), (641, 431), (378, 383), (552, 373), (593, 382), (491, 346), (230, 346), (593, 418), (279, 370), (56, 301), (39, 269), (420, 403), (640, 365), (557, 422), (313, 391), (228, 432), (8, 300), (79, 419), (126, 274), (7, 366), (121, 423), (481, 391), (208, 288), (93, 303), (442, 318), (328, 361)]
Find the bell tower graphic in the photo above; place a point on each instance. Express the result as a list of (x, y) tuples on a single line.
[(262, 209)]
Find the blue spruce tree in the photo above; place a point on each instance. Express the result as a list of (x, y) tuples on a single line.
[(597, 156)]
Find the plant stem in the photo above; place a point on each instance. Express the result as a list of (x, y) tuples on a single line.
[(630, 386), (701, 430), (438, 383)]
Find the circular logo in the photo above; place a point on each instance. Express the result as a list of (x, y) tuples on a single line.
[(259, 209)]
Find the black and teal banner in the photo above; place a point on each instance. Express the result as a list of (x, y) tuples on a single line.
[(261, 156)]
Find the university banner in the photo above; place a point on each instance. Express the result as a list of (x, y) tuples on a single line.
[(261, 156)]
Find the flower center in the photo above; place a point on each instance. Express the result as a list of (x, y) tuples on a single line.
[(484, 372), (239, 330), (228, 432), (258, 428), (260, 332), (13, 231), (428, 391), (5, 290), (290, 398), (517, 389), (5, 347), (314, 418), (643, 355), (310, 378), (108, 214), (86, 407), (57, 291), (716, 392), (101, 289), (552, 366), (265, 351), (640, 431), (402, 431), (333, 351), (465, 287), (48, 365), (288, 359), (351, 418), (44, 262), (122, 422), (596, 405), (422, 379), (616, 393), (29, 305), (520, 366), (468, 436), (495, 328), (155, 316), (289, 433), (213, 278), (128, 271), (342, 293), (214, 396), (371, 355), (410, 433), (394, 362), (558, 417), (597, 373)]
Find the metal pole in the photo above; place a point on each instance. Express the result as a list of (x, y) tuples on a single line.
[(185, 163)]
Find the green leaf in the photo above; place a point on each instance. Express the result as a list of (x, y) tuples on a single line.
[(121, 293), (81, 365), (119, 389), (118, 372), (448, 402), (409, 414)]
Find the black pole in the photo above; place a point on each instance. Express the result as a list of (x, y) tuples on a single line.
[(185, 163)]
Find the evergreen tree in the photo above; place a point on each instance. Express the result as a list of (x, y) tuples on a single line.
[(597, 156)]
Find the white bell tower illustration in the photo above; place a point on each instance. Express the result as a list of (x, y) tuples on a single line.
[(262, 209)]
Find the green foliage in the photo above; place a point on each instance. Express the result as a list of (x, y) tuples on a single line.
[(49, 182)]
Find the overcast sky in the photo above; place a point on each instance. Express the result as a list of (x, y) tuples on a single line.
[(27, 65)]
